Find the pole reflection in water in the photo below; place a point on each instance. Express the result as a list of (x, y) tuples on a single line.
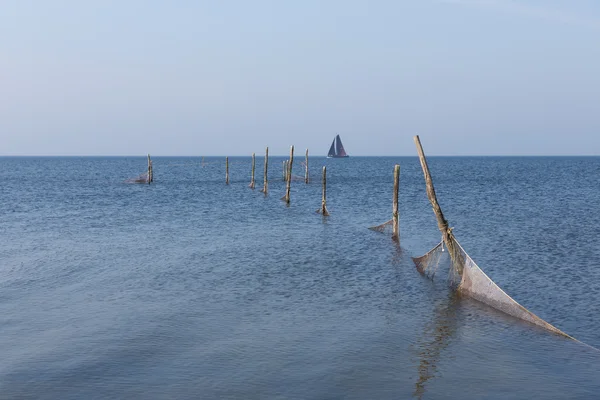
[(436, 337)]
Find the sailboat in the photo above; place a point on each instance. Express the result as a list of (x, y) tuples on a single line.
[(337, 149)]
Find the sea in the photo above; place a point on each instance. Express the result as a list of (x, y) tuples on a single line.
[(191, 288)]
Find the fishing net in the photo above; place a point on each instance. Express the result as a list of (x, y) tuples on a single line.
[(323, 211), (392, 226), (146, 177), (386, 227), (468, 279), (143, 178)]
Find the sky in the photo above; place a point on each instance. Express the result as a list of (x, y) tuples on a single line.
[(227, 77)]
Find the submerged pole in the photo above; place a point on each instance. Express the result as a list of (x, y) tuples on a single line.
[(306, 167), (447, 235), (265, 183), (395, 216), (253, 168), (323, 209), (289, 176), (227, 170), (149, 179)]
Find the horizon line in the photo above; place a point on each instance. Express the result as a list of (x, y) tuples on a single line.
[(287, 155)]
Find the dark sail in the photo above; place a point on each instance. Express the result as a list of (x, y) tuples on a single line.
[(337, 148), (332, 149)]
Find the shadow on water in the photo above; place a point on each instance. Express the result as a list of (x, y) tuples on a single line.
[(437, 335)]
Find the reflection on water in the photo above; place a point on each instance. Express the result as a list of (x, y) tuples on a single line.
[(397, 253), (436, 336), (190, 288)]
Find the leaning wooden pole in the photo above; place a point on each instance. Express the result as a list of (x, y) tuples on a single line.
[(150, 177), (252, 183), (395, 216), (323, 209), (447, 235), (306, 167), (265, 182), (227, 170), (288, 184)]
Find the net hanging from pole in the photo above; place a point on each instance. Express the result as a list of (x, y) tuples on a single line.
[(393, 225), (467, 278), (387, 227), (146, 177), (143, 178), (463, 274)]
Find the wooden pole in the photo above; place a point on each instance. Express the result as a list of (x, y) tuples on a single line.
[(395, 216), (252, 183), (289, 176), (323, 209), (306, 167), (227, 170), (447, 235), (265, 184), (149, 177)]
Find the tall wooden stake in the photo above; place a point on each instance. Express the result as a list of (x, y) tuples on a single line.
[(227, 170), (253, 168), (395, 216), (447, 235), (306, 167), (265, 184), (323, 209), (286, 198), (150, 177)]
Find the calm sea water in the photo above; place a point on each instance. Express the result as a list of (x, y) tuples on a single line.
[(188, 288)]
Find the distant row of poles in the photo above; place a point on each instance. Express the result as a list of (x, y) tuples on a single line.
[(287, 177), (457, 255)]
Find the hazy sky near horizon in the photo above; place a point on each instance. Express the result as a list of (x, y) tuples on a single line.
[(184, 77)]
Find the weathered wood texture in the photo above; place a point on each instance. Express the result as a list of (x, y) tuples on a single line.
[(289, 176), (252, 183), (447, 235), (395, 216), (306, 167), (323, 210), (150, 177), (227, 170), (265, 181)]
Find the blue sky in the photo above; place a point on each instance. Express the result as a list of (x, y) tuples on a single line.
[(471, 77)]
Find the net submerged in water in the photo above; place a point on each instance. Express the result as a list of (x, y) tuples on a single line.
[(393, 225), (468, 279), (143, 178), (464, 275), (146, 177), (386, 227)]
